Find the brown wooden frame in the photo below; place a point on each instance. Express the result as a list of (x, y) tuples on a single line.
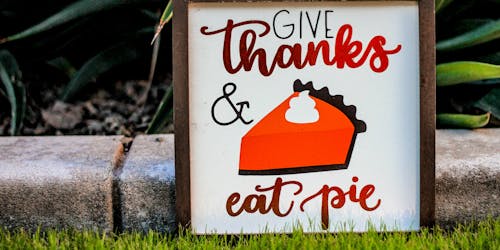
[(427, 108)]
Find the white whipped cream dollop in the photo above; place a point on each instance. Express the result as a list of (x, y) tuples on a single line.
[(302, 109)]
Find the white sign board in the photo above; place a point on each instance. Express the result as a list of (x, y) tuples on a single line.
[(303, 114)]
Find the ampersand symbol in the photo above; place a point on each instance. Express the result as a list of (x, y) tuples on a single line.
[(227, 90)]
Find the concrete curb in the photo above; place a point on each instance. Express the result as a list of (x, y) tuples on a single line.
[(467, 175), (57, 182), (147, 185), (93, 182)]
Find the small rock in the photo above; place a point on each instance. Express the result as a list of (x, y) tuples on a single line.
[(102, 94), (121, 109), (135, 117), (131, 89), (106, 113), (124, 131), (62, 115), (94, 126), (113, 123), (90, 108), (146, 119), (40, 130), (108, 104), (148, 109)]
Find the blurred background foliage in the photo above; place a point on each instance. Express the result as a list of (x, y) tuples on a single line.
[(81, 46), (468, 63), (67, 50)]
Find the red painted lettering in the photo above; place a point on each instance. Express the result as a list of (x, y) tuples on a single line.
[(253, 202), (339, 198), (344, 51), (331, 197)]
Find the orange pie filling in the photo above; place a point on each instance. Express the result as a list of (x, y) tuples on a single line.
[(277, 146)]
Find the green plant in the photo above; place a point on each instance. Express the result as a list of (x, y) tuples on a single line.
[(468, 57), (164, 113), (10, 76)]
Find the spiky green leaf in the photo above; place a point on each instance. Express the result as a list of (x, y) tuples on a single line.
[(62, 64), (163, 114), (167, 15), (484, 33), (440, 4), (460, 72), (463, 120), (72, 12), (490, 102), (10, 76), (116, 55)]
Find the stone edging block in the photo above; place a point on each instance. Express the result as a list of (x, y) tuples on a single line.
[(57, 182), (467, 175), (146, 185)]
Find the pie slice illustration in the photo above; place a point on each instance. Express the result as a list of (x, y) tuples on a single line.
[(310, 131)]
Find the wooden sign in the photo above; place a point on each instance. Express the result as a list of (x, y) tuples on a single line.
[(311, 114)]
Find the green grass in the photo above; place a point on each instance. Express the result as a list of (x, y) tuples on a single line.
[(482, 235)]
